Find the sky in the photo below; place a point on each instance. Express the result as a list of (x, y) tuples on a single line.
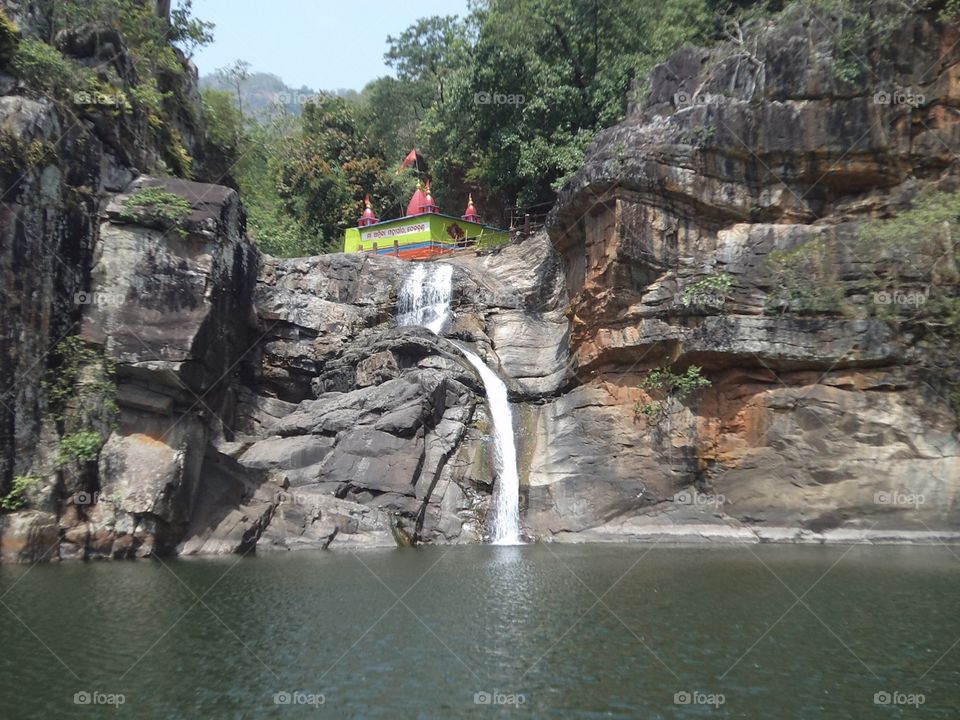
[(323, 44)]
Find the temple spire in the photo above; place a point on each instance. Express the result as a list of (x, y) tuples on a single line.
[(470, 214)]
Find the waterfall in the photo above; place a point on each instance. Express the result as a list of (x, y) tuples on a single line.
[(425, 297), (505, 524), (424, 300)]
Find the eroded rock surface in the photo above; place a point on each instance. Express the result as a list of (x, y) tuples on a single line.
[(833, 422), (268, 405)]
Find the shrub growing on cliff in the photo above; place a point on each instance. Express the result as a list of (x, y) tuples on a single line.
[(161, 70), (669, 385), (916, 255), (9, 37), (16, 499), (856, 28), (154, 206), (44, 68), (804, 280), (82, 393), (708, 292), (82, 446)]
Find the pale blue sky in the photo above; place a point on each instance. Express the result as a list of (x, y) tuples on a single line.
[(323, 44)]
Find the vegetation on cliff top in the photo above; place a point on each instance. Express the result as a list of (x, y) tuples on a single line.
[(502, 103), (154, 90), (154, 206)]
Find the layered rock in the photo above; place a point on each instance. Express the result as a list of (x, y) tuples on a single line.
[(820, 424), (368, 433), (267, 404)]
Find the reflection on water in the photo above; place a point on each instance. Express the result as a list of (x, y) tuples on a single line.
[(548, 631)]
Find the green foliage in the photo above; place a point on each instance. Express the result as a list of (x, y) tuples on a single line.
[(709, 291), (155, 206), (514, 112), (16, 499), (857, 28), (925, 236), (699, 137), (17, 156), (950, 11), (668, 385), (65, 382), (502, 103), (161, 71), (45, 68), (9, 37), (224, 134), (82, 446), (916, 256), (674, 385), (82, 394), (247, 156), (653, 410), (323, 172), (393, 110), (186, 31), (430, 51), (804, 280)]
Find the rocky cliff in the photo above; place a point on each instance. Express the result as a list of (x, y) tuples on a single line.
[(730, 239), (725, 224)]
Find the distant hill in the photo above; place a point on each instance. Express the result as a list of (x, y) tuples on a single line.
[(262, 94)]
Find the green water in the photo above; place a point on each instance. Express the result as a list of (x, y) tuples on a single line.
[(554, 632)]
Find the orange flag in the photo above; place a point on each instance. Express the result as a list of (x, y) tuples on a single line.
[(410, 159)]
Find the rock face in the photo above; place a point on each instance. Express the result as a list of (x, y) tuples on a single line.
[(266, 404), (368, 433), (836, 422)]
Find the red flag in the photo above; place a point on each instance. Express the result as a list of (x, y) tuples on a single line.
[(410, 159)]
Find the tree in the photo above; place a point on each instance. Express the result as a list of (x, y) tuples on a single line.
[(391, 111), (187, 31), (224, 138), (429, 51), (234, 75), (325, 171)]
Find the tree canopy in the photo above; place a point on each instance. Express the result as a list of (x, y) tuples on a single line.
[(502, 103)]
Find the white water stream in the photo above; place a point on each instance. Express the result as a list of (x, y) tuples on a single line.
[(425, 300), (505, 522), (425, 296)]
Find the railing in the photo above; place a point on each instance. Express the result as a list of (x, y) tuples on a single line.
[(529, 219)]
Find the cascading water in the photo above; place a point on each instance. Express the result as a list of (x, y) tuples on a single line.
[(425, 300), (425, 297), (505, 523)]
